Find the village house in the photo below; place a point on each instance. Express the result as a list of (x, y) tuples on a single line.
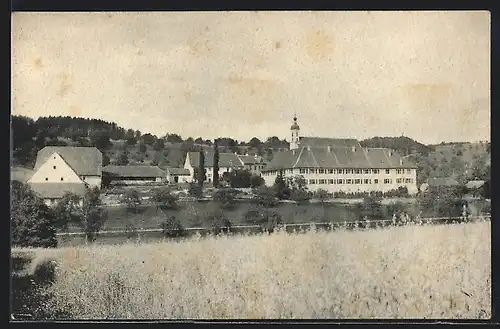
[(227, 163), (61, 169), (253, 163), (341, 165), (133, 175)]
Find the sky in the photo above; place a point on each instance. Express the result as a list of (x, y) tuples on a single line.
[(425, 75)]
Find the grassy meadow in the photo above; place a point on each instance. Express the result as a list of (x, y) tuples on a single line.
[(435, 271)]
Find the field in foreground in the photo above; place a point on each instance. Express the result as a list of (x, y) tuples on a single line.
[(402, 272)]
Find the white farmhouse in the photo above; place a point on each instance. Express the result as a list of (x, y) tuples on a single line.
[(341, 165), (60, 169), (227, 163)]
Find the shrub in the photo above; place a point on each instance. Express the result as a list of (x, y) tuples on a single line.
[(265, 197), (225, 197), (132, 200), (93, 216), (33, 223), (240, 178), (172, 227), (267, 219), (86, 212), (396, 208), (256, 181), (280, 187), (300, 196), (219, 222), (164, 199), (195, 190), (370, 208), (400, 192), (441, 201), (68, 210), (322, 195)]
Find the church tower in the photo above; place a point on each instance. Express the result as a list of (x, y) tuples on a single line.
[(294, 144)]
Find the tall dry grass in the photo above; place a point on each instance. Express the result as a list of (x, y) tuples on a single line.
[(400, 272)]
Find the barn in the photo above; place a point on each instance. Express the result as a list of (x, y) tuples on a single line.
[(132, 175)]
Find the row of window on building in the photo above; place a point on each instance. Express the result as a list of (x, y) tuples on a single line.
[(358, 181), (339, 171)]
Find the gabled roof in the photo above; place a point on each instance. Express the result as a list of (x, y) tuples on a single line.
[(324, 157), (229, 160), (83, 160), (475, 184), (250, 159), (435, 182), (57, 190), (324, 141), (177, 171), (133, 171)]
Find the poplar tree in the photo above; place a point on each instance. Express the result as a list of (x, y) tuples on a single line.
[(201, 169), (216, 165)]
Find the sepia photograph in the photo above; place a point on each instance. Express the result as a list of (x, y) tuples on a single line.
[(244, 165)]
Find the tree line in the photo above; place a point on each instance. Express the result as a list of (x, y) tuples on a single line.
[(29, 136)]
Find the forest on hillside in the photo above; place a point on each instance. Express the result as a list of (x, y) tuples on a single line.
[(120, 145)]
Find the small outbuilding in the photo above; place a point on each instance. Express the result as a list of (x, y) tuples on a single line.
[(133, 175)]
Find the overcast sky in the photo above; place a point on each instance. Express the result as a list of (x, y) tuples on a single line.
[(242, 74)]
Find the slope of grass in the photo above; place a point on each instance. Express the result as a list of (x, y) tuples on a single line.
[(401, 272)]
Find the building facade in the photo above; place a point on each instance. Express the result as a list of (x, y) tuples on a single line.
[(177, 175), (61, 169), (342, 165), (254, 164), (65, 164), (227, 163)]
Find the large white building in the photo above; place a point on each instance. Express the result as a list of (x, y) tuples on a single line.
[(341, 165), (61, 169)]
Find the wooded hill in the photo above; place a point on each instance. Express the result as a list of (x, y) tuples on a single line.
[(120, 145)]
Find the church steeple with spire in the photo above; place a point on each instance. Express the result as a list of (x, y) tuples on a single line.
[(294, 144)]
